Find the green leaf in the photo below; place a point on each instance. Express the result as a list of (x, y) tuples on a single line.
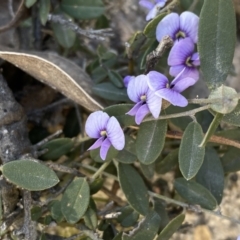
[(150, 140), (128, 217), (82, 9), (119, 111), (44, 10), (211, 174), (65, 36), (96, 185), (36, 213), (57, 148), (29, 3), (75, 200), (148, 170), (150, 29), (160, 207), (134, 188), (190, 154), (110, 92), (30, 175), (136, 43), (168, 163), (195, 193), (56, 211), (228, 100), (171, 228), (90, 219), (147, 228), (233, 118), (118, 236), (231, 160), (115, 78), (186, 4), (217, 38)]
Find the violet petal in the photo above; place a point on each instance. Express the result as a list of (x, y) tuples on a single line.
[(183, 84), (147, 4), (97, 144), (133, 111), (196, 59), (156, 80), (115, 134), (127, 79), (175, 70), (154, 11), (189, 24), (154, 103), (142, 112), (173, 97), (104, 148), (96, 122), (180, 52), (168, 26), (137, 88)]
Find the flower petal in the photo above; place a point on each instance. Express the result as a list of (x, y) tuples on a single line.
[(97, 144), (104, 148), (175, 70), (196, 60), (161, 1), (96, 122), (173, 97), (137, 87), (115, 134), (168, 26), (154, 11), (142, 112), (147, 4), (127, 79), (183, 84), (154, 103), (190, 72), (156, 80), (180, 51), (189, 24), (133, 111)]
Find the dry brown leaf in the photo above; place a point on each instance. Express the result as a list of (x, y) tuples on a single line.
[(57, 72)]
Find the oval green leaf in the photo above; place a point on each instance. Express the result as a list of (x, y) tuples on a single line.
[(217, 38), (211, 174), (148, 170), (146, 229), (110, 92), (57, 148), (115, 78), (134, 188), (44, 10), (65, 36), (194, 193), (231, 160), (56, 211), (150, 29), (119, 111), (82, 9), (75, 200), (128, 217), (150, 140), (227, 99), (90, 218), (190, 154), (233, 118), (30, 175), (171, 228), (30, 3)]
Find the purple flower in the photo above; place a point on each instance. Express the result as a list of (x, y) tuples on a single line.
[(106, 130), (153, 8), (145, 99), (171, 92), (182, 56), (127, 79), (178, 27), (238, 238)]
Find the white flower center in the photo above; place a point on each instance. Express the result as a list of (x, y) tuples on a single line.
[(103, 133)]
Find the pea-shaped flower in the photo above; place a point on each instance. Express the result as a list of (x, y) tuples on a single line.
[(182, 56), (178, 27), (145, 99), (106, 130), (170, 92), (153, 8)]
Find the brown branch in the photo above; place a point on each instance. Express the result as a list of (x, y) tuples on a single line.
[(213, 139)]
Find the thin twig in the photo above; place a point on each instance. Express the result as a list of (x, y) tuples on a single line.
[(100, 34), (193, 5), (177, 115)]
